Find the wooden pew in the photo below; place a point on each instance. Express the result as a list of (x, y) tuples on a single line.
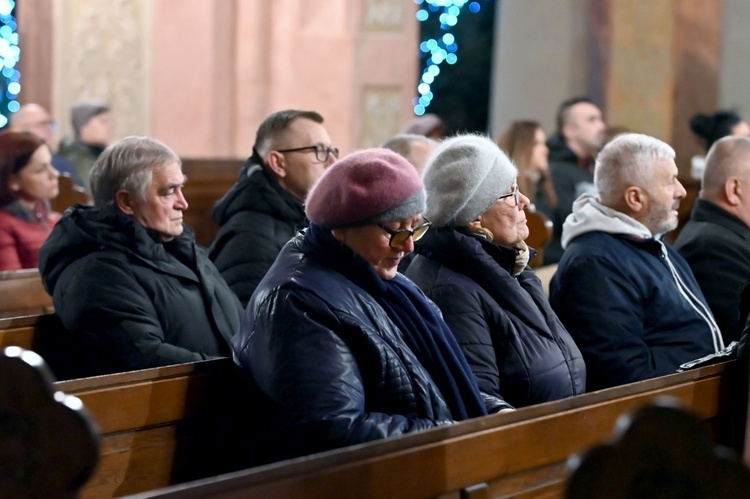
[(154, 422), (208, 181), (22, 293), (19, 331), (540, 233), (157, 425), (69, 194)]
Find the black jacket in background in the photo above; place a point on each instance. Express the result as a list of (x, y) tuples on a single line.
[(716, 245), (257, 217), (131, 301), (571, 179), (514, 342)]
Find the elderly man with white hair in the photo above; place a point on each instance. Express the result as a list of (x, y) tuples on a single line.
[(629, 300)]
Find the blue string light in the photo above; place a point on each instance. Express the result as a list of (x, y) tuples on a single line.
[(9, 55), (444, 49)]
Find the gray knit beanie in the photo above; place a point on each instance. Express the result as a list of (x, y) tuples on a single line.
[(83, 111), (464, 176)]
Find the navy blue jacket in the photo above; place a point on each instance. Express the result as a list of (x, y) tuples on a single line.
[(514, 342), (620, 299), (330, 366)]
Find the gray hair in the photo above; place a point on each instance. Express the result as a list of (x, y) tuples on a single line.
[(128, 164), (402, 143), (278, 122), (726, 158), (628, 161)]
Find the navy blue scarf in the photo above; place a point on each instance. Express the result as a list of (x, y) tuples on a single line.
[(424, 330)]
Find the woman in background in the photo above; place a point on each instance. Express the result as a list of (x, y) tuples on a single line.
[(526, 144), (711, 127), (27, 182)]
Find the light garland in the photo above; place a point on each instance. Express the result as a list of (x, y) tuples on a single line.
[(444, 49), (9, 55)]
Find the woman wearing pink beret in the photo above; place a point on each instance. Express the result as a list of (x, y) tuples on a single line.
[(341, 348)]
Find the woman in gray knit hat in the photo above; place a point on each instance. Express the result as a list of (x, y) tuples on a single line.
[(473, 264)]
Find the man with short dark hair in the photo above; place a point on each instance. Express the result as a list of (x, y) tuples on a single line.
[(263, 210), (716, 239), (572, 150), (629, 300), (126, 277)]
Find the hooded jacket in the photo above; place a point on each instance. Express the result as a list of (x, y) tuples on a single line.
[(329, 364), (629, 300), (514, 342), (571, 177), (132, 301), (257, 217)]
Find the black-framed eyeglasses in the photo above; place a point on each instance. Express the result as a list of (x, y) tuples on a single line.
[(514, 194), (399, 236), (322, 153)]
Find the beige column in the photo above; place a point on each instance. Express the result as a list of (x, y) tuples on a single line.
[(202, 74)]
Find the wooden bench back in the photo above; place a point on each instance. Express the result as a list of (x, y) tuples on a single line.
[(158, 426), (519, 454), (208, 181), (69, 194), (22, 293), (540, 233)]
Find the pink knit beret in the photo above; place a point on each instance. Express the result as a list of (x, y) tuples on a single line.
[(368, 186)]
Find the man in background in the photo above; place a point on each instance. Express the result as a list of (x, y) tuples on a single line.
[(263, 209), (572, 150)]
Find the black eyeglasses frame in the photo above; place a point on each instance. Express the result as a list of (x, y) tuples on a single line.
[(318, 149), (415, 233)]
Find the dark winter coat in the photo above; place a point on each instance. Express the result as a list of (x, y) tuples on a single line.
[(716, 245), (132, 301), (630, 301), (514, 342), (571, 176), (257, 217), (331, 367)]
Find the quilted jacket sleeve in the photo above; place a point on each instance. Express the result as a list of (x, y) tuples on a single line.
[(312, 374)]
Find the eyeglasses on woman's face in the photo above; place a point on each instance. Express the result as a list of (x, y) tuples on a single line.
[(322, 152), (400, 236), (514, 194)]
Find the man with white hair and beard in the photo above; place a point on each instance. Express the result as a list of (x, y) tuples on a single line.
[(629, 300)]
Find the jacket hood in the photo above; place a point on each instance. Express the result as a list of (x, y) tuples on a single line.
[(255, 191), (589, 215), (85, 229)]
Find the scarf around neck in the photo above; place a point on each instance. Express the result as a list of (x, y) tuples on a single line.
[(423, 329)]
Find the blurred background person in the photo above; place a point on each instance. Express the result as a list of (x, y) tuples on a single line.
[(711, 127), (526, 144), (429, 125), (27, 182), (36, 119), (415, 148), (92, 128)]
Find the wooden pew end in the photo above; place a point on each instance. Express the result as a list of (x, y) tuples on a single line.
[(48, 443)]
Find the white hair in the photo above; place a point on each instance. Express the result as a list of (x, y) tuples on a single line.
[(628, 160)]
